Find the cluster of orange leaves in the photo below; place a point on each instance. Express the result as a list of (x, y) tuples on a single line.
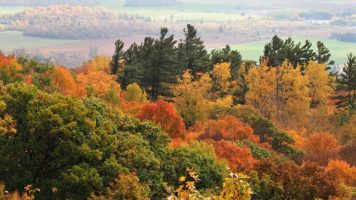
[(165, 115), (6, 60), (223, 134), (228, 128), (238, 158), (83, 83), (9, 61)]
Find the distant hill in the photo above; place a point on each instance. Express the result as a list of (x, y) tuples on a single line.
[(76, 22), (47, 2), (150, 3)]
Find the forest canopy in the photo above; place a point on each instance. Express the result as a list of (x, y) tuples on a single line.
[(168, 119)]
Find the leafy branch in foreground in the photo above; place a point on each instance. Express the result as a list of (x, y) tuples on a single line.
[(235, 187)]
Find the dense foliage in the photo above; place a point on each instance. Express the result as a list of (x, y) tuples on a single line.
[(169, 120)]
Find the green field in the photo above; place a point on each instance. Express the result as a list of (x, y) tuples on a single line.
[(10, 10), (10, 40), (338, 50), (185, 12)]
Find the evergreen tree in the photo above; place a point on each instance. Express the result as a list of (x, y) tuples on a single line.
[(192, 53), (159, 67), (323, 54), (131, 71), (118, 57), (278, 50), (347, 82)]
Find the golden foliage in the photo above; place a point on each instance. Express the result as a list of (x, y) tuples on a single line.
[(320, 83), (99, 84), (220, 80), (293, 96), (262, 90), (320, 147), (99, 63), (62, 80), (342, 171), (191, 97)]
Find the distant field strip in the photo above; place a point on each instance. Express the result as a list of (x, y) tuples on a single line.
[(10, 10), (10, 40)]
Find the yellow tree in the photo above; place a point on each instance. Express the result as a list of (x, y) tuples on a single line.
[(320, 84), (320, 147), (262, 85), (62, 80), (293, 99), (7, 123), (99, 63), (220, 80), (134, 93), (100, 84), (342, 171), (191, 97)]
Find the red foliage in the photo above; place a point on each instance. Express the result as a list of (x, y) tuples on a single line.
[(165, 115), (176, 142), (6, 60), (28, 79), (238, 158), (229, 128)]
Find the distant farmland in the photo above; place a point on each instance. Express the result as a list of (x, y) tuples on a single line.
[(13, 39), (10, 40)]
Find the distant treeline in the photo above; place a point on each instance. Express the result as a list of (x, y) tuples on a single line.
[(314, 15), (79, 22), (46, 2), (76, 22), (150, 3), (344, 37)]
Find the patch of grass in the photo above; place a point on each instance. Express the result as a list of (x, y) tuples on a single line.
[(4, 10), (192, 12), (10, 40)]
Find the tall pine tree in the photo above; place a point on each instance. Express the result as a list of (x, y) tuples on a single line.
[(347, 84), (118, 57), (278, 50), (323, 54), (192, 53), (159, 67)]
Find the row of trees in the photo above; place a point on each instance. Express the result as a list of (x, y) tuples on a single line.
[(155, 65)]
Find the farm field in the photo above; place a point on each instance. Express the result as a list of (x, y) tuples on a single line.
[(10, 40), (185, 12), (10, 10)]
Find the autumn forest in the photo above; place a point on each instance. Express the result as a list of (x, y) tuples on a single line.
[(167, 118)]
